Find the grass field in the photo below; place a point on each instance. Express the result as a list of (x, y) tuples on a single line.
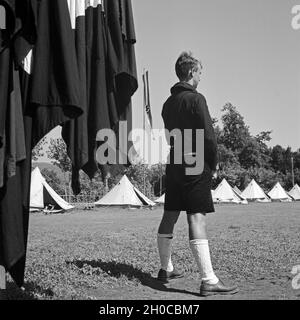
[(111, 253)]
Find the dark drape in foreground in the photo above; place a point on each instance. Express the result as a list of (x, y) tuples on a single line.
[(32, 105), (52, 72)]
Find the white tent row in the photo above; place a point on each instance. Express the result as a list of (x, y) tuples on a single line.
[(42, 195), (253, 192), (124, 194)]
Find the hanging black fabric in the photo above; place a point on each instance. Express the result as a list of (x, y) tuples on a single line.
[(107, 67), (55, 84), (13, 214), (50, 96), (122, 75), (88, 76), (80, 133), (121, 72), (11, 136)]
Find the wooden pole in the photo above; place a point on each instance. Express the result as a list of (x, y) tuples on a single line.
[(293, 179), (144, 142), (160, 180)]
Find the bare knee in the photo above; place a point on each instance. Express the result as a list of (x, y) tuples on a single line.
[(197, 219), (197, 226)]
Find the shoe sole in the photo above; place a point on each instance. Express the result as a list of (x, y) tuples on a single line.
[(210, 293)]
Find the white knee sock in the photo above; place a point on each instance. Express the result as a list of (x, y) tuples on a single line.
[(200, 250), (164, 242)]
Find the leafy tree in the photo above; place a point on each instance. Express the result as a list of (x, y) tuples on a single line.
[(218, 131), (277, 158), (297, 176), (37, 151), (53, 180), (91, 189), (252, 155), (264, 136), (226, 157), (296, 157), (233, 173), (58, 154), (266, 178), (265, 153), (287, 160), (235, 131)]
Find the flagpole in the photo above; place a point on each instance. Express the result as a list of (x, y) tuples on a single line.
[(144, 138), (160, 182), (293, 181)]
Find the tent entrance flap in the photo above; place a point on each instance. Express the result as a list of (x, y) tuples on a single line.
[(48, 200)]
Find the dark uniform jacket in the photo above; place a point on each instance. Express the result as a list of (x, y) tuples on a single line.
[(186, 108)]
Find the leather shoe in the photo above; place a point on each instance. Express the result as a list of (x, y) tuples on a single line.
[(218, 288), (165, 276)]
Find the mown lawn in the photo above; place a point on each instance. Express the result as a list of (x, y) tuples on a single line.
[(111, 253)]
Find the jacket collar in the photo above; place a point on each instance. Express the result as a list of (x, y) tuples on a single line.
[(182, 86)]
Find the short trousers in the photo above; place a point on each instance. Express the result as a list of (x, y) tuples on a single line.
[(190, 193)]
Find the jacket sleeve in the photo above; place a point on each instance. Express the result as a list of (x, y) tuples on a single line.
[(203, 121)]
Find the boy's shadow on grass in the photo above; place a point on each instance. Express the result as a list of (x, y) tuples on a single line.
[(117, 269), (13, 292)]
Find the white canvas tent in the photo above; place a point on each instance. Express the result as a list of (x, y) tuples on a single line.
[(161, 199), (295, 192), (124, 194), (279, 194), (42, 195), (254, 192), (224, 193)]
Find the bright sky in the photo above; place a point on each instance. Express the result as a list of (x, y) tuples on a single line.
[(249, 51)]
